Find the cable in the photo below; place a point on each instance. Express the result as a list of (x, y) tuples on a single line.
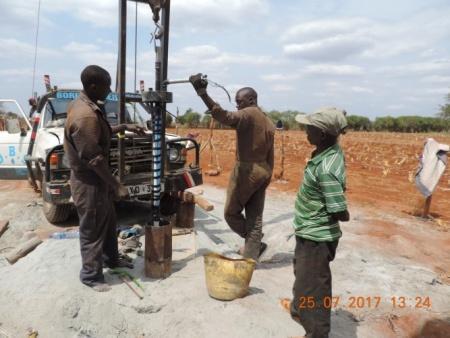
[(36, 46)]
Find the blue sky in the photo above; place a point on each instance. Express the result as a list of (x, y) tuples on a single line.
[(372, 58)]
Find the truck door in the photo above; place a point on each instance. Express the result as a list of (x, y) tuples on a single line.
[(15, 133)]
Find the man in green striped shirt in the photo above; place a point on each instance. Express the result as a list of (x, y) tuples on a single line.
[(319, 206)]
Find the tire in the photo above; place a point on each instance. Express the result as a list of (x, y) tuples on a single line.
[(56, 213)]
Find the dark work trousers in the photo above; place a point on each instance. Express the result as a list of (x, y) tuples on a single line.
[(247, 191), (313, 279), (98, 234)]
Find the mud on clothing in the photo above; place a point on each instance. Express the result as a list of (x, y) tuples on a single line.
[(87, 137), (251, 174)]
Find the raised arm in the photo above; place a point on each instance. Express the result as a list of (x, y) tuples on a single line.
[(228, 118)]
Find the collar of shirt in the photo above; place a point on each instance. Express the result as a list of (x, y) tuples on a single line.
[(89, 102), (327, 152)]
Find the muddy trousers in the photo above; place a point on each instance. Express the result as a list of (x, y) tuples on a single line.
[(246, 192), (312, 285), (98, 234)]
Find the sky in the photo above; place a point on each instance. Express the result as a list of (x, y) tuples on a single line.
[(371, 58)]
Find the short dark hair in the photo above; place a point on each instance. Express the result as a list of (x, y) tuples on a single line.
[(249, 91), (94, 74)]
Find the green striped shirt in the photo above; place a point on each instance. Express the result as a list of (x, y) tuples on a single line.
[(320, 195)]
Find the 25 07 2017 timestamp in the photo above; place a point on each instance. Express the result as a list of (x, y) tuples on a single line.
[(368, 302)]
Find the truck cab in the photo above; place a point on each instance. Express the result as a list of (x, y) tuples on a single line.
[(52, 170), (15, 132)]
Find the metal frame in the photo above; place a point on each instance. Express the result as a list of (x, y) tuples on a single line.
[(154, 100)]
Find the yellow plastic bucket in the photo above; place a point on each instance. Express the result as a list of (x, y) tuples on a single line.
[(227, 278)]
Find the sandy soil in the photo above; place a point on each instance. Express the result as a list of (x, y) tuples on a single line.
[(382, 254), (380, 168)]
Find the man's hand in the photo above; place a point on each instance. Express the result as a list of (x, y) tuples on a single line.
[(198, 83), (342, 216), (120, 192), (134, 128)]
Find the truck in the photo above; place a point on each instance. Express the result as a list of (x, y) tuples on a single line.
[(46, 166)]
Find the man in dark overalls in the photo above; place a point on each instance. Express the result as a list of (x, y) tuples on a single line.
[(87, 138), (254, 164)]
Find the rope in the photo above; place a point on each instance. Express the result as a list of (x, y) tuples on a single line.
[(36, 46)]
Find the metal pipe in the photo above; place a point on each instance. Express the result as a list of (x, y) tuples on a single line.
[(165, 23), (121, 80), (168, 82)]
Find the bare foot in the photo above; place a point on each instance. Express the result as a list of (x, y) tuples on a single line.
[(100, 287)]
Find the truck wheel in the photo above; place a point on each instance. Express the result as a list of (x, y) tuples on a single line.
[(56, 213)]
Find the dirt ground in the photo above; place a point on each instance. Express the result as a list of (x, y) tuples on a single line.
[(380, 168), (385, 253)]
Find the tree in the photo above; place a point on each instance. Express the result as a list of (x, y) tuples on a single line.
[(356, 122), (191, 118), (206, 120), (169, 120), (445, 109)]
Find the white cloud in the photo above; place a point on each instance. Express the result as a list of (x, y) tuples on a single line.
[(91, 54), (13, 48), (358, 89), (215, 15), (211, 60), (336, 39), (436, 79), (77, 47), (329, 49), (397, 106), (104, 13), (333, 70), (282, 88), (322, 29), (277, 77), (16, 72), (440, 66), (438, 91)]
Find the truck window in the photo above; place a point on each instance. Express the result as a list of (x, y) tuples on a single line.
[(11, 118), (56, 112)]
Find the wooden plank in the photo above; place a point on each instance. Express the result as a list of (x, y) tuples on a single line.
[(22, 250)]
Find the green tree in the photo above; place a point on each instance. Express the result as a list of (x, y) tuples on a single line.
[(169, 120), (445, 109), (191, 118), (356, 122), (206, 120)]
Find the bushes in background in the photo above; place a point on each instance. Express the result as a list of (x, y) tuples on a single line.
[(403, 124)]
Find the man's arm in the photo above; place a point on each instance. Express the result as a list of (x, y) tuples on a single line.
[(134, 128), (231, 119), (85, 136), (271, 157), (335, 200)]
